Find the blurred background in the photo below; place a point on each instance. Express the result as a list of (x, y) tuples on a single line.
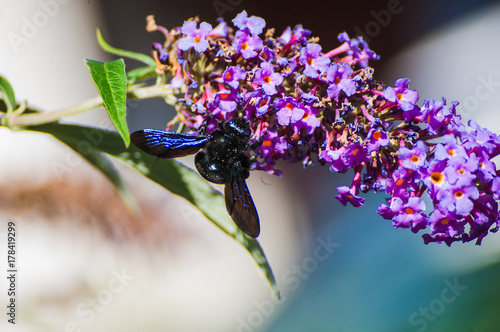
[(86, 265)]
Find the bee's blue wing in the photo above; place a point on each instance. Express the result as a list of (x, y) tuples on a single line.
[(164, 144), (239, 204)]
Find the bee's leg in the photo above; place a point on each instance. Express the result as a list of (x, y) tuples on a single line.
[(209, 170), (245, 163), (255, 144)]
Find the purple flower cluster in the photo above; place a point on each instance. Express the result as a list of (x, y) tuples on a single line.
[(301, 103)]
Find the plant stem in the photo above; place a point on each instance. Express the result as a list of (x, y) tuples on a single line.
[(46, 117), (152, 91)]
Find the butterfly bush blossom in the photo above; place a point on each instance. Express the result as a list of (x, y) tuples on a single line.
[(305, 104)]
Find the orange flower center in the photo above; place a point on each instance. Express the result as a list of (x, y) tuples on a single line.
[(377, 135), (459, 194), (267, 79), (437, 177), (409, 210), (244, 46), (415, 159)]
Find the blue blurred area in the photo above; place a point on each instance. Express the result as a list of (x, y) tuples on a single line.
[(382, 279)]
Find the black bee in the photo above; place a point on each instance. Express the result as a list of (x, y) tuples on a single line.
[(221, 160)]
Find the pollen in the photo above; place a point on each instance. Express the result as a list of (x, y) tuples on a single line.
[(400, 96), (461, 171), (228, 76), (355, 152), (267, 143), (377, 135), (399, 182), (445, 221), (262, 102), (267, 79), (244, 46), (306, 115), (437, 177), (409, 211), (451, 152), (459, 194), (197, 39), (289, 106), (310, 61), (415, 159), (224, 96), (337, 80)]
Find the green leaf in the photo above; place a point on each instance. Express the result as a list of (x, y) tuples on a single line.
[(171, 175), (123, 53), (111, 81), (8, 93)]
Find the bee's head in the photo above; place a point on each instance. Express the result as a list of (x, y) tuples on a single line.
[(238, 127)]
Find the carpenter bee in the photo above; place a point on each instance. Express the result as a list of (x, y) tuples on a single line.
[(220, 158)]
